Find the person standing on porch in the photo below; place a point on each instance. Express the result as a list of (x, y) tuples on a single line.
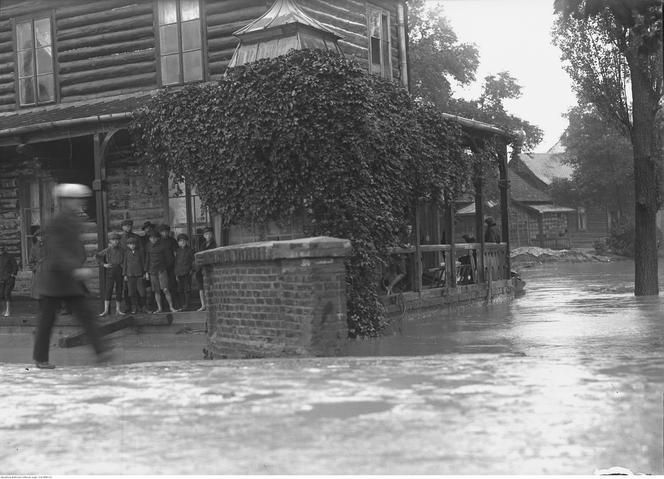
[(63, 274), (491, 235), (170, 246), (184, 266), (127, 226), (157, 261), (8, 272), (210, 243), (134, 270), (112, 259)]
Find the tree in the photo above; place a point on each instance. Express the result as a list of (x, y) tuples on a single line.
[(613, 49), (490, 107), (602, 158), (436, 57)]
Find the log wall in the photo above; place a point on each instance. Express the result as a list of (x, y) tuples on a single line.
[(130, 194), (107, 47)]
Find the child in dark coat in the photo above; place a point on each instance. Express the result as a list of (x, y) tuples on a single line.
[(112, 258), (8, 272), (184, 265), (133, 269)]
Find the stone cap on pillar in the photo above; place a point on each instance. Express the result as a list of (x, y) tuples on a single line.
[(316, 247)]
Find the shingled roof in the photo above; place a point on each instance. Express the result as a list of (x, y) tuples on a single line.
[(47, 116)]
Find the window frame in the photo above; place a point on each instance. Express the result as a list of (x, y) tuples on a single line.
[(17, 83), (202, 15), (386, 69)]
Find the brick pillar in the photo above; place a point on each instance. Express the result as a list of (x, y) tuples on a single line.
[(276, 298)]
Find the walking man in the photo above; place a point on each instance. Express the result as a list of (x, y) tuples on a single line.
[(63, 273)]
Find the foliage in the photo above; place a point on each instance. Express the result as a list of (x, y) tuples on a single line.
[(621, 239), (613, 51), (436, 57), (490, 108), (308, 131), (602, 160)]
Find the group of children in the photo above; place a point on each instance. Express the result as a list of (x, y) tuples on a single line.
[(156, 262)]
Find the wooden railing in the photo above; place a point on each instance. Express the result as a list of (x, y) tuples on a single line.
[(443, 266)]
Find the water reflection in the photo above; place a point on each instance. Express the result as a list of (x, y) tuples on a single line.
[(578, 310)]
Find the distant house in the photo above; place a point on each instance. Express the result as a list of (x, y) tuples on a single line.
[(535, 219)]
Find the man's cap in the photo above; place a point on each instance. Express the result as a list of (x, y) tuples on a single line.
[(147, 225), (132, 239), (489, 220), (71, 190), (208, 229), (127, 222), (114, 236), (183, 236)]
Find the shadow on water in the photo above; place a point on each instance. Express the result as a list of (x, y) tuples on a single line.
[(583, 310)]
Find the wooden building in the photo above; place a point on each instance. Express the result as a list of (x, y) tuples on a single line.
[(71, 73), (535, 219)]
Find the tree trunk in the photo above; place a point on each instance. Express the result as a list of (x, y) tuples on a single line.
[(646, 183)]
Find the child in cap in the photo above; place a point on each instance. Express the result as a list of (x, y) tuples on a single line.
[(210, 243), (112, 258), (8, 272), (133, 268), (184, 266)]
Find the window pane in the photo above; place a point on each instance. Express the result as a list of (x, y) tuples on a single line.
[(45, 85), (191, 35), (44, 61), (24, 35), (170, 69), (188, 10), (375, 55), (27, 91), (167, 12), (374, 23), (168, 39), (192, 66), (43, 32), (25, 67)]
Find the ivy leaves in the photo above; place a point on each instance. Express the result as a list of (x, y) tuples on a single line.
[(308, 132)]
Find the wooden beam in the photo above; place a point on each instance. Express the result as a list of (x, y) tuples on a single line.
[(479, 225), (504, 185)]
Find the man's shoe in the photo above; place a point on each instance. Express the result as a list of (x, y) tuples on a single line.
[(44, 365)]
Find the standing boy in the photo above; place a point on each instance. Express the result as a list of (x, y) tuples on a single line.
[(210, 243), (156, 271), (134, 270), (8, 271), (112, 259), (170, 246), (184, 265)]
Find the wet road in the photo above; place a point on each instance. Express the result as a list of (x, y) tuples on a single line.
[(566, 379)]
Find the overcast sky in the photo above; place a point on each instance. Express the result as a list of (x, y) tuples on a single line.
[(515, 35)]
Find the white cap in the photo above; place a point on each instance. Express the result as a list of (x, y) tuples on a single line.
[(71, 190)]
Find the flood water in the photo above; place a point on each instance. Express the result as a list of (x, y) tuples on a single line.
[(567, 379), (582, 310)]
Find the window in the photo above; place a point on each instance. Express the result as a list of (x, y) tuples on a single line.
[(379, 41), (180, 41), (34, 60), (186, 213)]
